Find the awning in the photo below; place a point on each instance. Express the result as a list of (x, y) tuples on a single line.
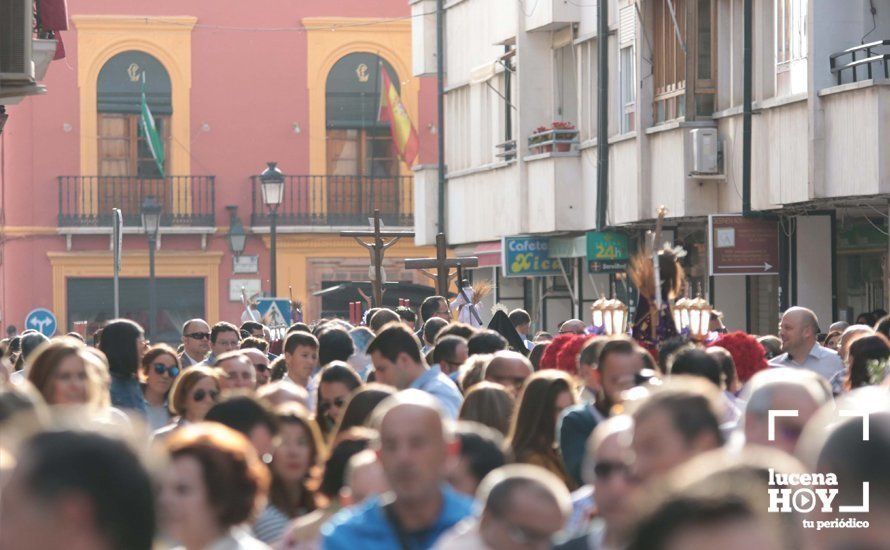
[(489, 254)]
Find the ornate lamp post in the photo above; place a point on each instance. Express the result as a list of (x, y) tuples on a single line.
[(272, 185), (151, 223)]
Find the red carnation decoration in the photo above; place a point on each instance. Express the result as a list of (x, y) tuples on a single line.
[(747, 353), (563, 351)]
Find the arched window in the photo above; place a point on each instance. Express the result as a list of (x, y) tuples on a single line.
[(358, 143), (123, 149)]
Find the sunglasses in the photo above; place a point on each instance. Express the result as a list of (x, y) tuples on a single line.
[(200, 394), (161, 368), (606, 469), (324, 406), (199, 335)]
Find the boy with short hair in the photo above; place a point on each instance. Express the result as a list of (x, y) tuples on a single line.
[(301, 357)]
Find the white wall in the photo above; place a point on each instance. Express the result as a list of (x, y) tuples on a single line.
[(729, 297), (814, 266)]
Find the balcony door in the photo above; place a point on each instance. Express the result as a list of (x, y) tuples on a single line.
[(127, 169), (362, 163)]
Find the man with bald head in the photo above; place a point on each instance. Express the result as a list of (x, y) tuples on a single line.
[(195, 342), (798, 331), (572, 326), (509, 369), (414, 446)]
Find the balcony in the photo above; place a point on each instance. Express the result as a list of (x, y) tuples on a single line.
[(338, 201), (554, 182), (548, 15), (87, 201)]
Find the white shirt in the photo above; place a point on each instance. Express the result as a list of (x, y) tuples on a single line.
[(820, 360)]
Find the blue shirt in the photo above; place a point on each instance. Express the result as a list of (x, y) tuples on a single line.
[(820, 360), (442, 388), (126, 393), (366, 526)]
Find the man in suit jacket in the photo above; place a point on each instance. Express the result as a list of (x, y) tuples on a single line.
[(195, 342)]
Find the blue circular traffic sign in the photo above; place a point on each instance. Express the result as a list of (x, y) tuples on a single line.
[(42, 320)]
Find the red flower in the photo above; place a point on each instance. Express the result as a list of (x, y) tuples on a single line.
[(747, 353)]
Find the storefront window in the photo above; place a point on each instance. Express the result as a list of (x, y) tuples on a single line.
[(862, 272)]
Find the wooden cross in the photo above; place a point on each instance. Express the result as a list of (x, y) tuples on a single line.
[(442, 265), (376, 248)]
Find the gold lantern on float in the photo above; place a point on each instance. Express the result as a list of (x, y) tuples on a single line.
[(609, 316), (699, 311)]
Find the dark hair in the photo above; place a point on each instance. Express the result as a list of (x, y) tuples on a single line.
[(381, 318), (352, 442), (254, 343), (489, 404), (482, 448), (430, 306), (592, 351), (855, 461), (622, 345), (334, 372), (406, 314), (76, 336), (668, 348), (334, 344), (250, 326), (868, 318), (31, 342), (519, 317), (533, 429), (883, 326), (242, 413), (234, 477), (862, 352), (445, 348), (725, 362), (298, 327), (299, 338), (221, 327), (118, 343), (433, 328), (486, 341), (104, 470), (360, 406), (536, 354), (394, 339), (278, 368), (697, 362), (457, 328)]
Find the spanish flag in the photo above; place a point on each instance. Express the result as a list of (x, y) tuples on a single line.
[(404, 136)]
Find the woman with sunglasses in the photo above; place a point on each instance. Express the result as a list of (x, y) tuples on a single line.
[(336, 383), (160, 367), (298, 452), (194, 392)]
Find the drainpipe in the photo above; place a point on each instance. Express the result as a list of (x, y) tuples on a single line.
[(602, 122), (747, 85), (440, 93)]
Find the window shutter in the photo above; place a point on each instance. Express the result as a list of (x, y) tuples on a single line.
[(626, 25)]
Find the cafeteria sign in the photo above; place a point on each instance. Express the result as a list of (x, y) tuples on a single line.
[(607, 252), (528, 257)]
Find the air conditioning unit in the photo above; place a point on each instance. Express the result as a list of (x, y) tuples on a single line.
[(705, 151), (16, 30)]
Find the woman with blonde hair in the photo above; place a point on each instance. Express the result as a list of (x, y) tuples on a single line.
[(489, 404), (532, 436), (66, 373)]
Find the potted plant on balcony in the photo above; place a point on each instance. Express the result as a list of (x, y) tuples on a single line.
[(565, 132), (538, 142)]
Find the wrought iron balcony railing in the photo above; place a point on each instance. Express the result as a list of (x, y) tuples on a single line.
[(863, 61), (87, 201), (338, 200)]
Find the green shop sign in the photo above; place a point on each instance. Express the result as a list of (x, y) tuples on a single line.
[(607, 252)]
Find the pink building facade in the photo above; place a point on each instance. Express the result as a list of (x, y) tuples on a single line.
[(231, 87)]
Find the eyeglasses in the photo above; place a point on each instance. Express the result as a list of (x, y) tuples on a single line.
[(605, 469), (324, 406), (199, 335), (201, 394), (161, 368)]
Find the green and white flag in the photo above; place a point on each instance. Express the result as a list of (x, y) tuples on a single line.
[(150, 132)]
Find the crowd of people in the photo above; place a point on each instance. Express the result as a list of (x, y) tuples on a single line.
[(413, 430)]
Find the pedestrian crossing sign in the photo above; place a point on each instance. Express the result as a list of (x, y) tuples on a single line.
[(274, 312)]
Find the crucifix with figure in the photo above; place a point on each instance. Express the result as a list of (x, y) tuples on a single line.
[(376, 248), (443, 265)]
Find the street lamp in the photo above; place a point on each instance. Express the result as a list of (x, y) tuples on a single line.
[(237, 236), (272, 186), (609, 316), (151, 222)]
